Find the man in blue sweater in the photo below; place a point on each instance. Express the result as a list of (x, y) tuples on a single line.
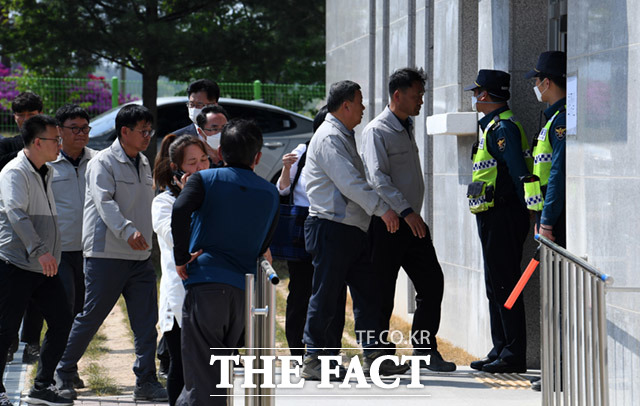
[(226, 218)]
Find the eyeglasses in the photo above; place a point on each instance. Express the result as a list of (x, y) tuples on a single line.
[(145, 133), (58, 140), (192, 105), (77, 130), (215, 128)]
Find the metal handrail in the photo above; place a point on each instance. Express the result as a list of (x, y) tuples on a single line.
[(574, 329), (574, 258)]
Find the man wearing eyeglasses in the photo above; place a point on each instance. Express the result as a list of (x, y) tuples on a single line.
[(116, 240), (29, 254), (68, 185), (202, 93)]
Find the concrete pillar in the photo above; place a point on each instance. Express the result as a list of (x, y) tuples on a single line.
[(455, 64)]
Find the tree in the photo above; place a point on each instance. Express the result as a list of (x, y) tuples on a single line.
[(282, 41), (229, 40), (153, 37)]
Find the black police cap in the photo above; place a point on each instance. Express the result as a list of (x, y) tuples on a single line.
[(550, 63), (495, 81)]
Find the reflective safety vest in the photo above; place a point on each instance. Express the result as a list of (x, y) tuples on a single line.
[(542, 153), (485, 167)]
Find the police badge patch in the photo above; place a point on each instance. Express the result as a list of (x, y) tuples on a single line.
[(560, 132), (502, 143)]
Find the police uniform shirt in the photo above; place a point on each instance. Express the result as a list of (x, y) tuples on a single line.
[(555, 194), (505, 145)]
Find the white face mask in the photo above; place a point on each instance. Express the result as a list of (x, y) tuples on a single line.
[(538, 93), (214, 141), (474, 102), (193, 113)]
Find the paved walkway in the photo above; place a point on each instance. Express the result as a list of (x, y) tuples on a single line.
[(461, 388)]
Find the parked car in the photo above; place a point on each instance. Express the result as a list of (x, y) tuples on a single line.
[(282, 129)]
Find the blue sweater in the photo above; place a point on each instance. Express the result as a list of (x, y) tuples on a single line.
[(230, 213)]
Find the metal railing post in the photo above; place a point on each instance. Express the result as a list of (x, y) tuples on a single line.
[(565, 338), (556, 330), (249, 343), (589, 389), (546, 314), (260, 327), (580, 320), (602, 330)]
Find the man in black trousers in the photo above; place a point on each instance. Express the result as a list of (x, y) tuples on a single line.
[(392, 164)]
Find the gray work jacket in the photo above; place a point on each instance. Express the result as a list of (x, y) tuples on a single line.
[(117, 204), (336, 183), (28, 225), (68, 185), (392, 162)]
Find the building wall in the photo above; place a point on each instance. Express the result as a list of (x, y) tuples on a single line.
[(603, 175)]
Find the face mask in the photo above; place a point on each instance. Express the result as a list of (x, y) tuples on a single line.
[(474, 101), (214, 141), (539, 93), (193, 113)]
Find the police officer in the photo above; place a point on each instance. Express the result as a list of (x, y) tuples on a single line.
[(500, 158), (548, 199), (545, 191)]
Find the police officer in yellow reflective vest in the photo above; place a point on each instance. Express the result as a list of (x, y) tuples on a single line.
[(545, 191), (500, 158)]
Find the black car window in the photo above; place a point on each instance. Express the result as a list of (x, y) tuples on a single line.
[(105, 122), (268, 121)]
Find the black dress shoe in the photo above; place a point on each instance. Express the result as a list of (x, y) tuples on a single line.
[(501, 366), (436, 362), (537, 385), (477, 365)]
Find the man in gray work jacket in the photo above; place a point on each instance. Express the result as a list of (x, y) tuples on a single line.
[(29, 255), (116, 238), (68, 184), (392, 163), (341, 205)]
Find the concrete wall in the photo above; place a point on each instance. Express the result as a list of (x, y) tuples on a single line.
[(381, 36), (603, 175)]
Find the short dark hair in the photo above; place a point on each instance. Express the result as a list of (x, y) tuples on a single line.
[(560, 81), (404, 78), (35, 126), (209, 86), (26, 101), (130, 115), (341, 92), (69, 112), (201, 119), (319, 118), (240, 141)]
